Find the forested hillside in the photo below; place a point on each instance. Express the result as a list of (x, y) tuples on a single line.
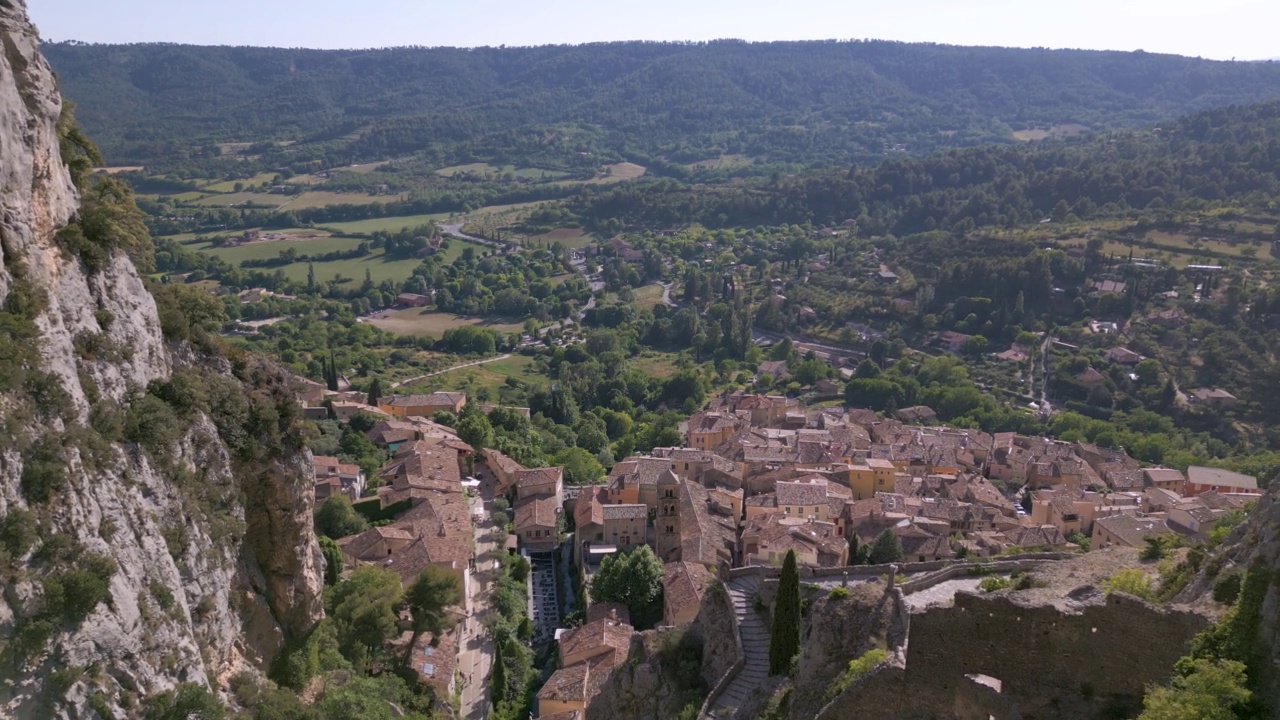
[(1205, 157), (817, 103)]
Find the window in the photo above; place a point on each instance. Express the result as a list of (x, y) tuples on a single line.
[(670, 529)]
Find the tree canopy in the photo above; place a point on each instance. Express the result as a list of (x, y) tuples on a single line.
[(634, 579)]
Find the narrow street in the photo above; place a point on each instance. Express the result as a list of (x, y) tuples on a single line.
[(475, 652)]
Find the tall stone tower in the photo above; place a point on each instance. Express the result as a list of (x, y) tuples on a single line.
[(667, 524)]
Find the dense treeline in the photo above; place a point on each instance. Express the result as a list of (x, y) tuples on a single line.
[(1207, 157), (799, 102)]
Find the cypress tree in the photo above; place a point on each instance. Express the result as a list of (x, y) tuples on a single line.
[(784, 637), (497, 675)]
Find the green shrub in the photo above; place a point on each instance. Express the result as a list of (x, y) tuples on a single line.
[(73, 594), (43, 470), (47, 395), (61, 680), (163, 595), (858, 667), (19, 532), (151, 423), (840, 593), (32, 636), (1227, 589), (1132, 581), (992, 583)]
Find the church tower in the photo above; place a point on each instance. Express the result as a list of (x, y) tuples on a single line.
[(667, 523)]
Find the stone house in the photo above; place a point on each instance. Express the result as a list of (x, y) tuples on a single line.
[(424, 406)]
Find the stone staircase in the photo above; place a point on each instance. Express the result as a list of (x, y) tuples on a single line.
[(755, 648)]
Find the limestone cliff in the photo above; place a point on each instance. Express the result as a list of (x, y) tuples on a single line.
[(670, 671), (1252, 547), (128, 566)]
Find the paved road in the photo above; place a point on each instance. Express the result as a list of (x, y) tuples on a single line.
[(755, 647), (666, 295), (456, 231), (408, 381)]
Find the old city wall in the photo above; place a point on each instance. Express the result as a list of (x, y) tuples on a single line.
[(1048, 664)]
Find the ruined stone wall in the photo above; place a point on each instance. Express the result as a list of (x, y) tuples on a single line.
[(1049, 664)]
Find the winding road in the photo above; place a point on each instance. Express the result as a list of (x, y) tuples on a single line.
[(455, 230)]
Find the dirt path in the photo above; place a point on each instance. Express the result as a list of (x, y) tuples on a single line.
[(408, 381)]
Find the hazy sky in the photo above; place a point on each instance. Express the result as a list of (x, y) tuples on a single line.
[(1244, 29)]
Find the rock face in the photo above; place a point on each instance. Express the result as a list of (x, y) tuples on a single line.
[(839, 630), (1253, 546), (215, 563), (672, 669), (1001, 657)]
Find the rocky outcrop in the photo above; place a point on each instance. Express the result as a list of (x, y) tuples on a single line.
[(1252, 547), (714, 625), (1000, 656), (838, 630), (209, 560), (659, 680)]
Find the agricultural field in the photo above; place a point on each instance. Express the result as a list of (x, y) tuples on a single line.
[(647, 297), (569, 237), (724, 162), (363, 168), (1055, 132), (491, 376), (315, 245), (423, 321), (227, 186), (242, 198), (320, 198), (387, 224), (379, 267), (655, 364), (482, 169), (1194, 245)]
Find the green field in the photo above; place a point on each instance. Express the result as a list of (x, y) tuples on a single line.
[(422, 321), (486, 168), (264, 250), (647, 297), (655, 364), (492, 376), (320, 198), (569, 237), (378, 266), (242, 198), (387, 224), (724, 162), (227, 186)]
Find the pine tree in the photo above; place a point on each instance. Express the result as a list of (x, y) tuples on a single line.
[(886, 549), (784, 638), (375, 392)]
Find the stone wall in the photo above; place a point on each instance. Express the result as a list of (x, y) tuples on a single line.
[(1048, 664)]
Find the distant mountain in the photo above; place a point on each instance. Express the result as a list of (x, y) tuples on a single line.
[(795, 102)]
